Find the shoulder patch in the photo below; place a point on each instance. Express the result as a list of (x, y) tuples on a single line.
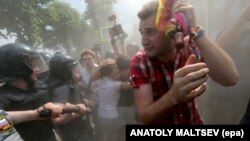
[(5, 124)]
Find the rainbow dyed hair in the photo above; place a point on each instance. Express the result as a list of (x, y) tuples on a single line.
[(168, 22)]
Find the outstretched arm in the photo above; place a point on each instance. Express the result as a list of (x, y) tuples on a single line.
[(21, 116), (221, 66), (231, 33)]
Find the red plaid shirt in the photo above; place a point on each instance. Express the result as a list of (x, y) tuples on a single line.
[(145, 70)]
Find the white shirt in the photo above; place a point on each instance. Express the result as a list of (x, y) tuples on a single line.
[(108, 95), (85, 75)]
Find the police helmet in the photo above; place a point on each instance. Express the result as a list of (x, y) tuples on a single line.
[(60, 67), (18, 60)]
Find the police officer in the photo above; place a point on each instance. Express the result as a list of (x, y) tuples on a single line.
[(62, 88), (19, 67)]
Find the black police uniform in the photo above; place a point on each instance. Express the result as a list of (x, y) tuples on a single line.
[(16, 62), (14, 99), (62, 90)]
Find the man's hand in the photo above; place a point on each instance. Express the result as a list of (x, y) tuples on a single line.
[(55, 109), (189, 81), (184, 6), (83, 108), (89, 103)]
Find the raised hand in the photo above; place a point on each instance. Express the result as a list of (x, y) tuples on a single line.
[(184, 6), (189, 81)]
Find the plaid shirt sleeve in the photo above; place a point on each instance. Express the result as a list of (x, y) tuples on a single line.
[(138, 73)]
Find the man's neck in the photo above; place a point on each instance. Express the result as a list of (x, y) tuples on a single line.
[(20, 83), (168, 57)]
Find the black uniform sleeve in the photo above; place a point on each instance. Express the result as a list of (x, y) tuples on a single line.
[(246, 117), (60, 94), (4, 102)]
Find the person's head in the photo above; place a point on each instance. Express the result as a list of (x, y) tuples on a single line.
[(110, 54), (46, 56), (64, 68), (97, 48), (19, 61), (108, 68), (154, 41), (132, 49), (87, 58), (123, 64)]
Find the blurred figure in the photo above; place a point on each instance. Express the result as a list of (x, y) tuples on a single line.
[(89, 65), (126, 103), (97, 49), (108, 90), (90, 68)]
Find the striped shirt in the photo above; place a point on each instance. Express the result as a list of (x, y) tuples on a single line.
[(159, 75)]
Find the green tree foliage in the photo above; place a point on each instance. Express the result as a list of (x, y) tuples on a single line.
[(21, 18), (54, 24), (49, 23), (67, 28)]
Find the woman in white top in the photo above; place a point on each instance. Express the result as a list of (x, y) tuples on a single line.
[(108, 94)]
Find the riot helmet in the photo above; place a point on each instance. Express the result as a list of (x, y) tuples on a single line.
[(19, 61), (60, 67), (46, 56)]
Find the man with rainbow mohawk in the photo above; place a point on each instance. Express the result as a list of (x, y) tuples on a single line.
[(172, 69)]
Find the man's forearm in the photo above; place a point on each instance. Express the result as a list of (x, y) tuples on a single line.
[(115, 48), (21, 116), (157, 111), (221, 66)]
